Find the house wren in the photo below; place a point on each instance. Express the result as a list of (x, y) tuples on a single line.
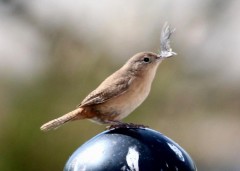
[(123, 91)]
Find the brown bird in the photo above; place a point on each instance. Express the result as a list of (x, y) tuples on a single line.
[(123, 91)]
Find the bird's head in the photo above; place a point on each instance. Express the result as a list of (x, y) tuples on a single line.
[(143, 61), (147, 62)]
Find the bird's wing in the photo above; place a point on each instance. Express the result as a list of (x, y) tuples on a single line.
[(111, 89)]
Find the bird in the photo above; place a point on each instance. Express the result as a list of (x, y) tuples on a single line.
[(123, 91)]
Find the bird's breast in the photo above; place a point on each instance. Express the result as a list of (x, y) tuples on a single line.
[(122, 105)]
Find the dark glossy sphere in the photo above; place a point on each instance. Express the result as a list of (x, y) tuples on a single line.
[(130, 149)]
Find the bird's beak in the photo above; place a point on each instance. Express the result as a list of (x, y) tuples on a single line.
[(158, 57)]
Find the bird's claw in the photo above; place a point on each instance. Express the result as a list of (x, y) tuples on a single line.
[(125, 125)]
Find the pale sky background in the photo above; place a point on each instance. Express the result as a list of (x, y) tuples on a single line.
[(206, 31)]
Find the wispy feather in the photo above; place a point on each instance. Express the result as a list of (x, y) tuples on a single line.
[(166, 50)]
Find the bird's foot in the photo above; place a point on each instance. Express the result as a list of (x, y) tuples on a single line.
[(125, 125)]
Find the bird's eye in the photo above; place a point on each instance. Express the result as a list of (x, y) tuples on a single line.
[(146, 59)]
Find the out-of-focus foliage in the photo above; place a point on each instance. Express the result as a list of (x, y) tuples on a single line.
[(54, 53)]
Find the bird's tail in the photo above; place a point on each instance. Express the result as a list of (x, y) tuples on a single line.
[(55, 123)]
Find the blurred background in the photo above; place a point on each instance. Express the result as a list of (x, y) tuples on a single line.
[(53, 53)]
